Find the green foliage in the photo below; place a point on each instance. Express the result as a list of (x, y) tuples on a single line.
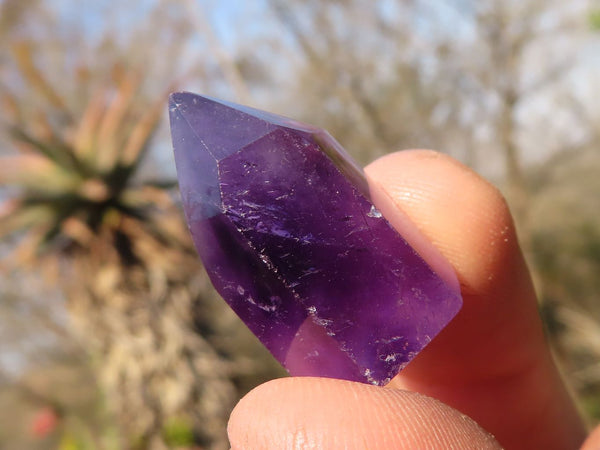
[(594, 20), (567, 260), (178, 432), (70, 442), (591, 405)]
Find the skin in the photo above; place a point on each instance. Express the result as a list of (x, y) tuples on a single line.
[(487, 381)]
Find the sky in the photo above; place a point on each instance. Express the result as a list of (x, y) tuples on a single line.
[(93, 16)]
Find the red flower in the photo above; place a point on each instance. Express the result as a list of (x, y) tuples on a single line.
[(44, 422)]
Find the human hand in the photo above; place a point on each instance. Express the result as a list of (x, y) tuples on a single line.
[(486, 381)]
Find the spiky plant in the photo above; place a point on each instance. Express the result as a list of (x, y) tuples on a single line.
[(117, 247)]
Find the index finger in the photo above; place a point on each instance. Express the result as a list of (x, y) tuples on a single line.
[(492, 362)]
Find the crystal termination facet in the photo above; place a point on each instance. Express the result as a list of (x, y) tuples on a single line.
[(283, 222)]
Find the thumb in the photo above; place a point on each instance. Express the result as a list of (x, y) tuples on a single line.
[(312, 413)]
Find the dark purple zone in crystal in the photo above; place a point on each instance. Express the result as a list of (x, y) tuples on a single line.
[(282, 220)]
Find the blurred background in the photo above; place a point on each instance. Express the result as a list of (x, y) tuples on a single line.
[(110, 334)]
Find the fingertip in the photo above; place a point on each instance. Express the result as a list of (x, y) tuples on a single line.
[(462, 214), (296, 413)]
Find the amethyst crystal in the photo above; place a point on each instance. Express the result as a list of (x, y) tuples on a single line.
[(282, 219)]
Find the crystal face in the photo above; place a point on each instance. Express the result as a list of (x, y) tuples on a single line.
[(283, 222)]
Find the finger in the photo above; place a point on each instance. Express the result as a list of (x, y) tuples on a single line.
[(320, 413), (593, 441), (492, 361)]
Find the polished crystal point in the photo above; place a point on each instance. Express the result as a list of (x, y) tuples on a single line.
[(283, 222)]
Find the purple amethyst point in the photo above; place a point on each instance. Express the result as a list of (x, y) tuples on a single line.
[(283, 222)]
